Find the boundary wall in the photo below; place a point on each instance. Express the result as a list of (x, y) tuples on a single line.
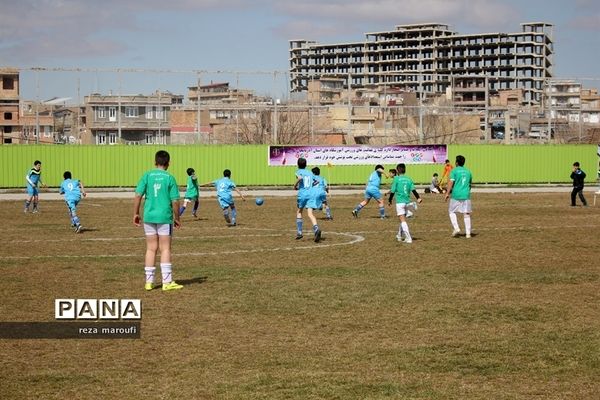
[(122, 166)]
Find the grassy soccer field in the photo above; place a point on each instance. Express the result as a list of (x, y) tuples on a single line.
[(512, 313)]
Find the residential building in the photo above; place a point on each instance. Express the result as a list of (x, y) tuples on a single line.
[(36, 123), (130, 119), (424, 57), (590, 106), (564, 98), (70, 125), (9, 106), (219, 93), (325, 90), (469, 91)]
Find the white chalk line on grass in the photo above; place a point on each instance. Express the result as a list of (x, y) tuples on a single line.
[(484, 229), (119, 239), (354, 239)]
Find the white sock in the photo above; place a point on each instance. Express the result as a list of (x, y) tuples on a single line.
[(149, 274), (454, 221), (404, 226), (467, 223), (166, 269)]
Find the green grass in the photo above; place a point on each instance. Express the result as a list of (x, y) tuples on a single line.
[(510, 314)]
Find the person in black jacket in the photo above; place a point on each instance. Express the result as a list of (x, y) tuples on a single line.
[(578, 177)]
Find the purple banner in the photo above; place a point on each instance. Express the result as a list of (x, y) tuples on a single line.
[(357, 155)]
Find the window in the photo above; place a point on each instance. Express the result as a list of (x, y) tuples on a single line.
[(112, 114), (7, 116), (8, 129), (131, 112), (112, 138), (47, 131), (159, 112), (148, 112), (100, 112), (8, 83), (101, 138), (149, 138)]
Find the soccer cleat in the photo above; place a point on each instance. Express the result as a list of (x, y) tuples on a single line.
[(455, 232), (317, 236), (227, 219), (149, 286), (35, 211), (355, 213), (26, 210), (195, 215), (299, 236), (399, 238), (78, 229), (468, 236), (171, 286), (409, 214), (408, 240), (383, 217)]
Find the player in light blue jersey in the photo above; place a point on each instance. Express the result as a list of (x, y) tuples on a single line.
[(372, 192), (73, 190), (321, 188), (306, 199), (34, 181), (225, 198)]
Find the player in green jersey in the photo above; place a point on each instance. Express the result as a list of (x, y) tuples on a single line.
[(459, 192), (161, 196), (191, 193), (402, 187)]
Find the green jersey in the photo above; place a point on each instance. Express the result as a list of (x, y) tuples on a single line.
[(160, 189), (462, 178), (192, 187), (402, 186)]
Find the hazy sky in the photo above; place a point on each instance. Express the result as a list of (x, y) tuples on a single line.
[(250, 35)]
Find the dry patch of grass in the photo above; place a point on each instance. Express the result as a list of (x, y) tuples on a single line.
[(511, 313)]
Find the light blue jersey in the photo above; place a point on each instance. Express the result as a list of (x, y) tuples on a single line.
[(373, 185), (306, 193), (320, 190), (33, 178), (224, 187), (71, 189)]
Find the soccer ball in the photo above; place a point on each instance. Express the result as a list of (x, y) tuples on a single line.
[(259, 201)]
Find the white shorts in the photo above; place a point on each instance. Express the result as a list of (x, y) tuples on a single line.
[(460, 206), (158, 229), (401, 209)]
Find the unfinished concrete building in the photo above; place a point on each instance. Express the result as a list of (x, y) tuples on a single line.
[(424, 57), (9, 105)]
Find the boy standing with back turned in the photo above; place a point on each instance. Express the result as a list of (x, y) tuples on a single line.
[(161, 198), (459, 192)]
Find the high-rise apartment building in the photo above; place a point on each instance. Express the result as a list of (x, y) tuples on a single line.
[(424, 58)]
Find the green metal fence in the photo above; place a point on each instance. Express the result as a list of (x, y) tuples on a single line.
[(115, 166)]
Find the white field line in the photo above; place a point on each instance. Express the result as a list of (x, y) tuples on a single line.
[(140, 238), (501, 228), (353, 240)]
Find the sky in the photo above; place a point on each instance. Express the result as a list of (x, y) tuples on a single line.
[(249, 37)]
